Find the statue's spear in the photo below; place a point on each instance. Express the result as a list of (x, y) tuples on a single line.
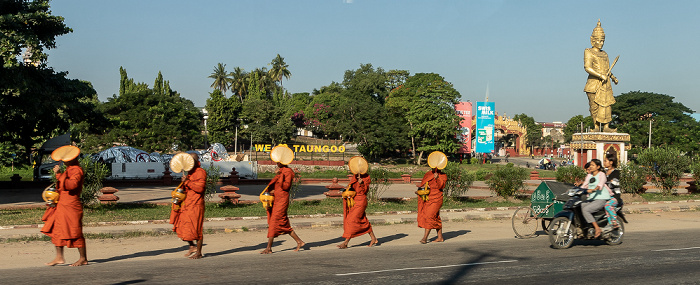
[(609, 73)]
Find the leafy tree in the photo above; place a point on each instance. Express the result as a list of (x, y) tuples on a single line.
[(427, 102), (153, 122), (367, 81), (573, 126), (279, 69), (672, 124), (239, 82), (396, 78), (534, 131), (221, 78), (665, 165), (38, 102), (224, 114)]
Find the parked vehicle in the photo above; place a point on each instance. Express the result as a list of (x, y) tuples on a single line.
[(569, 224)]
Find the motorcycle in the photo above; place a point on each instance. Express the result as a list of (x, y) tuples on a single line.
[(569, 224)]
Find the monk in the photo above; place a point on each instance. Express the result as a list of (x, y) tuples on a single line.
[(277, 220), (188, 220), (355, 222), (64, 223), (429, 211)]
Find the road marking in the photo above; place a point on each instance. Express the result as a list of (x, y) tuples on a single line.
[(676, 249), (430, 267)]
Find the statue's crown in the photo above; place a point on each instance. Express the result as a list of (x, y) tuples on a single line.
[(598, 31)]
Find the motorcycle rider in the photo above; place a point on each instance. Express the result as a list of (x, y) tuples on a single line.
[(613, 177), (598, 193)]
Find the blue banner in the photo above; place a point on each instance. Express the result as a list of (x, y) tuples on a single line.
[(485, 126)]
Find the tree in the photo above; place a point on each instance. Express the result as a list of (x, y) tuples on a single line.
[(37, 102), (534, 131), (239, 83), (573, 126), (279, 69), (427, 102), (172, 122), (224, 114), (665, 165), (671, 121), (221, 78)]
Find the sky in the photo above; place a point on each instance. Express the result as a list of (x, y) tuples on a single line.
[(526, 55)]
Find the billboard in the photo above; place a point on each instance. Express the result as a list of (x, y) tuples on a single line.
[(485, 126), (464, 111)]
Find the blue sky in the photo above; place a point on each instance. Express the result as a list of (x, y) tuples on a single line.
[(527, 54)]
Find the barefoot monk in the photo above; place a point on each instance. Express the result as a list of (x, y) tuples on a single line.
[(63, 220), (355, 222), (187, 216), (277, 220), (430, 196)]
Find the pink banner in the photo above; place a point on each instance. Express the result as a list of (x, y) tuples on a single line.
[(464, 110)]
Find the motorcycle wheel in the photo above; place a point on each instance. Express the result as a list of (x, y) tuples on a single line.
[(560, 237), (615, 237), (524, 222)]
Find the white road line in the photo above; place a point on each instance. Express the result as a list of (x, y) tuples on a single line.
[(676, 249), (429, 267)]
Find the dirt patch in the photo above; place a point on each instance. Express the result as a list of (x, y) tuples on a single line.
[(629, 197)]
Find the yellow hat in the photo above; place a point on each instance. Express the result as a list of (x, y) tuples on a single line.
[(182, 162), (598, 31), (65, 153), (282, 154), (358, 165), (437, 159)]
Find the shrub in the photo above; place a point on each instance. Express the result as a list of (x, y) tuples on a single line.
[(507, 180), (95, 173), (632, 178), (458, 180), (695, 169), (480, 174), (665, 166), (379, 183), (213, 175), (570, 174)]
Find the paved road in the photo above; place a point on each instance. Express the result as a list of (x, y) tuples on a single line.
[(658, 249)]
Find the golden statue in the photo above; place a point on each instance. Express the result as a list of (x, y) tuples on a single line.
[(598, 87)]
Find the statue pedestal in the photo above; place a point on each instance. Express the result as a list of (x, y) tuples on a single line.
[(587, 146)]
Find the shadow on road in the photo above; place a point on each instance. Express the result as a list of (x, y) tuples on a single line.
[(390, 238), (258, 247), (310, 245), (142, 254), (471, 263), (454, 234)]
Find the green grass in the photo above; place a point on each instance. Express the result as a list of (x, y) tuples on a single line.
[(25, 171), (139, 212), (652, 197)]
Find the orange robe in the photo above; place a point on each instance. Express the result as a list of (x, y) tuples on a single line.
[(188, 221), (429, 211), (355, 222), (277, 220), (64, 223)]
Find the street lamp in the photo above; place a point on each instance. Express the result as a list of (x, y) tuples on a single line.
[(206, 132)]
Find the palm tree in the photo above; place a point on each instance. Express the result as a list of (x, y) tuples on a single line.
[(221, 78), (279, 69), (239, 82)]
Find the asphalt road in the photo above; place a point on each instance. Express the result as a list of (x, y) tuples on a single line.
[(658, 257)]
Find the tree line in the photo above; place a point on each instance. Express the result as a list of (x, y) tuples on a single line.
[(386, 114)]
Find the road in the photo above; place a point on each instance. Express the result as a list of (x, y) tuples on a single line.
[(658, 249)]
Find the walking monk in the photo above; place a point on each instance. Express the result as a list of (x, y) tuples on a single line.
[(277, 220), (355, 222), (430, 200), (63, 220), (187, 216)]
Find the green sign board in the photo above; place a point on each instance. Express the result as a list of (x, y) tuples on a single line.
[(542, 197)]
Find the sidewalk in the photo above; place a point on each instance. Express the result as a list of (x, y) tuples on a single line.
[(250, 192)]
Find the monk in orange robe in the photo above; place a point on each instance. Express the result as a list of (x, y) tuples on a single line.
[(277, 220), (429, 211), (64, 223), (188, 220), (355, 222)]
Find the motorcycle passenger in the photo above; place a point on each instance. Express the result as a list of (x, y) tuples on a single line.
[(613, 177), (598, 193)]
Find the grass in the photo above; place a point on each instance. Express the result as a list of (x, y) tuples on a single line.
[(121, 212), (653, 197), (26, 172)]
